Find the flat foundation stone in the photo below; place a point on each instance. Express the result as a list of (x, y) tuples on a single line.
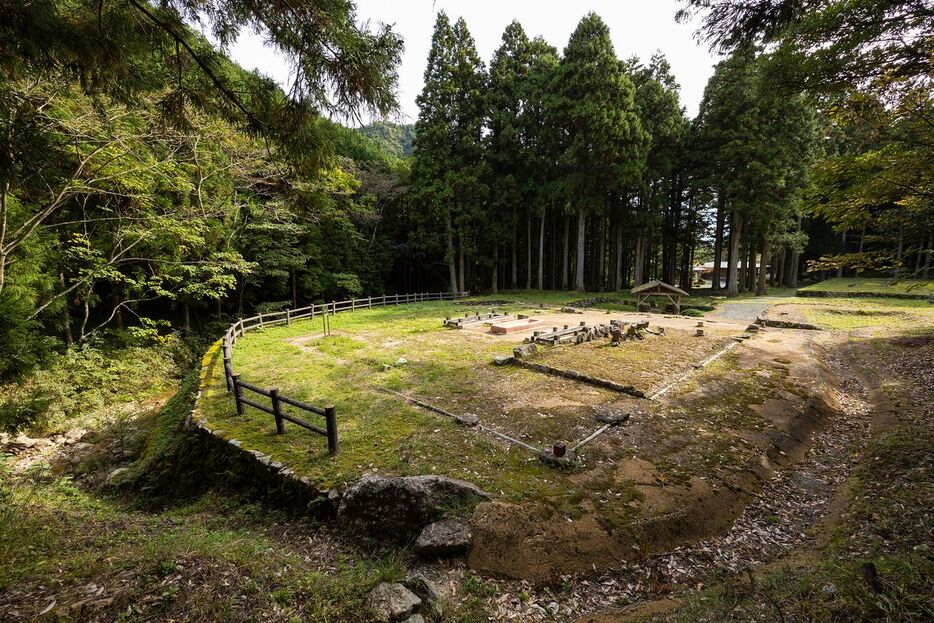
[(392, 602), (444, 538)]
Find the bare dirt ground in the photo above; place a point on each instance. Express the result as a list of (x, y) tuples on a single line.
[(787, 512)]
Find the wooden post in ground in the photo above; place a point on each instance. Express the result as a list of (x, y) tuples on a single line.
[(288, 316), (330, 418), (238, 393), (277, 411)]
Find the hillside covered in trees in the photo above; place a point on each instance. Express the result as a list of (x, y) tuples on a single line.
[(165, 186)]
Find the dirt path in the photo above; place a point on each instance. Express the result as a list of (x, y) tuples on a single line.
[(788, 514), (743, 310)]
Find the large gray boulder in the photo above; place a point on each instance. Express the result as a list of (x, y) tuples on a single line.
[(398, 509), (444, 538), (392, 602)]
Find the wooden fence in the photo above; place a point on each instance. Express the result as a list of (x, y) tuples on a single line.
[(276, 401)]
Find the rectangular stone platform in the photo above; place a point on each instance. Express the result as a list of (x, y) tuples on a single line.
[(514, 326)]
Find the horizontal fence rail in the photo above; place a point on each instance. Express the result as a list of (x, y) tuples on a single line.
[(238, 329)]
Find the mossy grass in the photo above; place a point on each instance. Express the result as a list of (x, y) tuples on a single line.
[(879, 286)]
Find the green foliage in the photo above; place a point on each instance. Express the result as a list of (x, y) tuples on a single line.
[(86, 385), (22, 349), (393, 138)]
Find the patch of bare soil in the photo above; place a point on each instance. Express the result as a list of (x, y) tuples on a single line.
[(785, 513), (691, 479)]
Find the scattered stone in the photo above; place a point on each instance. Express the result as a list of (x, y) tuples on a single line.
[(427, 591), (115, 474), (753, 328), (699, 333), (415, 618), (467, 419), (524, 351), (24, 442), (399, 508), (614, 418), (392, 602), (401, 361), (444, 538), (502, 360), (570, 310)]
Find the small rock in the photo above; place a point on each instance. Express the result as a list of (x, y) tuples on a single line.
[(428, 592), (24, 442), (392, 602), (614, 418), (468, 419), (399, 508), (502, 360), (415, 618), (444, 538), (524, 351), (116, 473), (401, 361)]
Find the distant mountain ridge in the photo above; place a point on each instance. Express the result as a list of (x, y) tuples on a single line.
[(396, 138)]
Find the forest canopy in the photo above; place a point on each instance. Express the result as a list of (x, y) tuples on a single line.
[(155, 186)]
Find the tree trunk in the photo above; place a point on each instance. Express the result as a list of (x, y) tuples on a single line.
[(66, 317), (792, 278), (565, 253), (843, 250), (927, 257), (186, 318), (528, 250), (736, 228), (452, 268), (514, 275), (638, 261), (495, 278), (461, 272), (718, 242), (601, 254), (581, 225), (760, 288), (898, 256), (294, 291), (541, 253), (618, 243)]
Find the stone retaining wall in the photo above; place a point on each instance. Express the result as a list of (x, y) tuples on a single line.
[(270, 478)]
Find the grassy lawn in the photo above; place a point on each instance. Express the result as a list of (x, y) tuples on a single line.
[(881, 287), (405, 349)]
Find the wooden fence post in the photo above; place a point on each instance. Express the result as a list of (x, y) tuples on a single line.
[(260, 321), (238, 393), (228, 370), (330, 418), (288, 316), (277, 411), (240, 322)]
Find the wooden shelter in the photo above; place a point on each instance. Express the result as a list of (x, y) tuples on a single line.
[(657, 288)]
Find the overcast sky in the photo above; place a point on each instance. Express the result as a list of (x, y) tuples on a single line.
[(638, 27)]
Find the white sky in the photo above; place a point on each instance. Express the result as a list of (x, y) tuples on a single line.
[(638, 27)]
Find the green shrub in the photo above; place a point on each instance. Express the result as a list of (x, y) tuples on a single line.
[(693, 313), (86, 384), (21, 344)]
